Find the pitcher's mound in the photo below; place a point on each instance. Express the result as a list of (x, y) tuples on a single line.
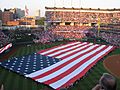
[(112, 64)]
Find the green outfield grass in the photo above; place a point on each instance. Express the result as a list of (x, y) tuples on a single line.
[(13, 81)]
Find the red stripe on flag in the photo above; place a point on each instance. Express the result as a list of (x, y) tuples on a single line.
[(64, 64), (61, 49), (73, 66), (42, 51), (84, 71), (68, 50), (62, 75), (75, 52)]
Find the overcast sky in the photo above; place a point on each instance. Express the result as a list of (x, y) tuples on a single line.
[(34, 5)]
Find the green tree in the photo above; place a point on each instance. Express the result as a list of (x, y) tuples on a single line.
[(40, 21)]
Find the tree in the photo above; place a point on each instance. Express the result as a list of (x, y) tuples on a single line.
[(40, 21)]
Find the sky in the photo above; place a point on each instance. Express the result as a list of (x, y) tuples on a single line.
[(34, 5)]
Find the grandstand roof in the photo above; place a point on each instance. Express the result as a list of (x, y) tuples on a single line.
[(98, 10)]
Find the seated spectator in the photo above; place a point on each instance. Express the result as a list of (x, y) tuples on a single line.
[(106, 82)]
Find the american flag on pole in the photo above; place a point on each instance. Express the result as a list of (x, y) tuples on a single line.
[(26, 10), (59, 66)]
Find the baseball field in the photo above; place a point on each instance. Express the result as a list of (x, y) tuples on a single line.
[(14, 81)]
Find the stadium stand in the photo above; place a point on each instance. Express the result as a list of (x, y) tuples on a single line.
[(70, 32), (111, 37), (56, 33), (83, 16), (3, 39)]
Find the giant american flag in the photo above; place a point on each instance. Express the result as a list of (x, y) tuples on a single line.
[(59, 66)]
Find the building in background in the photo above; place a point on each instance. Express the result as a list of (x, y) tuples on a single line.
[(11, 16), (37, 14), (14, 13), (13, 23), (20, 13), (7, 16), (28, 20)]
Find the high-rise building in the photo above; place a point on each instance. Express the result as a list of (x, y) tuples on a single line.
[(15, 16), (7, 16), (20, 13), (37, 14)]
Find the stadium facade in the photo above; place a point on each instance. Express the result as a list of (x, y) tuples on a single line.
[(81, 16)]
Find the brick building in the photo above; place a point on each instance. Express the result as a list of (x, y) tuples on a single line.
[(7, 16), (23, 21)]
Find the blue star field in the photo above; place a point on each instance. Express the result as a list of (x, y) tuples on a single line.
[(28, 63)]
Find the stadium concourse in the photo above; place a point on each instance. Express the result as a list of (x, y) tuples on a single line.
[(60, 66)]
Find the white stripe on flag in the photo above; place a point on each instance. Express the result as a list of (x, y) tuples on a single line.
[(61, 62), (75, 50), (77, 59), (65, 68), (80, 52), (59, 83), (59, 48), (66, 49)]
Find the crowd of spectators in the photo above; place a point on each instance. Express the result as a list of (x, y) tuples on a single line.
[(83, 17), (111, 37), (43, 36), (57, 33), (4, 39), (71, 32)]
